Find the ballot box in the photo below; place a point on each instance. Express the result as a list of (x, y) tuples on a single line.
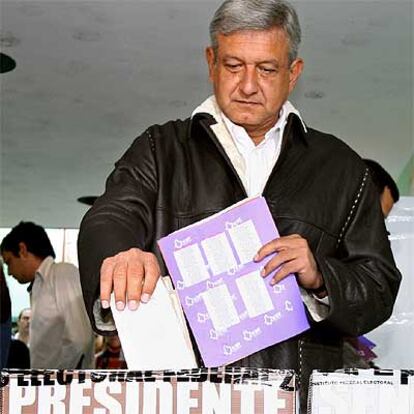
[(203, 391), (362, 391)]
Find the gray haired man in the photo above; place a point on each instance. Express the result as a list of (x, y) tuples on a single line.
[(248, 139)]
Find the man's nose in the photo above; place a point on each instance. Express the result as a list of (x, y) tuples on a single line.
[(248, 83)]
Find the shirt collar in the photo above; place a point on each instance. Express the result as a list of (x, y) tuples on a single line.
[(211, 107), (44, 268), (243, 139)]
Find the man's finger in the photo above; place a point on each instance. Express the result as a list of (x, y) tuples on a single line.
[(135, 275), (283, 272), (291, 236), (152, 274), (266, 249), (120, 282), (280, 258), (106, 283), (277, 245)]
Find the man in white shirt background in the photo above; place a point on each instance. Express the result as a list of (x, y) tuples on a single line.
[(60, 332)]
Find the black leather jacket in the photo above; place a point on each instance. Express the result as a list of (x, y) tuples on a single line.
[(178, 173)]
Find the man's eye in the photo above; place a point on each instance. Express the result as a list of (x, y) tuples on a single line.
[(267, 71), (233, 66)]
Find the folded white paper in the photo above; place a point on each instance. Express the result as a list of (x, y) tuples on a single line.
[(154, 337)]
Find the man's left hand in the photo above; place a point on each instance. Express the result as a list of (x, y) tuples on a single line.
[(293, 256)]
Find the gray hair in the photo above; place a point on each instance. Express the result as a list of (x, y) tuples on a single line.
[(236, 15)]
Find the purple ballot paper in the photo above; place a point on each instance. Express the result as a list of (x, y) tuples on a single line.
[(232, 311)]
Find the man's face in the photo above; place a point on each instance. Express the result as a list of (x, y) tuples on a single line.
[(252, 77), (387, 202), (18, 267), (24, 321)]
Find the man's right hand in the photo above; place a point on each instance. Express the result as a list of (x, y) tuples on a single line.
[(132, 275)]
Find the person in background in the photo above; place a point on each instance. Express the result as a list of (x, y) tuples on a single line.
[(23, 326), (14, 352), (19, 355), (248, 140), (5, 320), (111, 357), (60, 332), (386, 186)]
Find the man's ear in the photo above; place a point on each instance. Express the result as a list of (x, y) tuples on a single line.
[(295, 71), (23, 250), (211, 60)]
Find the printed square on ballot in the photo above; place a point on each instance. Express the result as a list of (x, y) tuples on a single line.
[(254, 293), (191, 265), (219, 255), (246, 241), (220, 307)]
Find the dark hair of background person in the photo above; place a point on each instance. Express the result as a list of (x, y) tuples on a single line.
[(33, 236), (382, 179)]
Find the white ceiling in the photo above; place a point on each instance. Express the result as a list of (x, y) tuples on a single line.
[(91, 76)]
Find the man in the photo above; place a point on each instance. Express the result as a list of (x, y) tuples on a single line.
[(60, 332), (386, 186), (247, 140), (23, 326)]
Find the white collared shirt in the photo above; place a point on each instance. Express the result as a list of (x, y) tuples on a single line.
[(60, 331), (259, 159), (253, 164)]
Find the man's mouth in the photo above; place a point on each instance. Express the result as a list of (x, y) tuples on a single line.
[(247, 102)]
